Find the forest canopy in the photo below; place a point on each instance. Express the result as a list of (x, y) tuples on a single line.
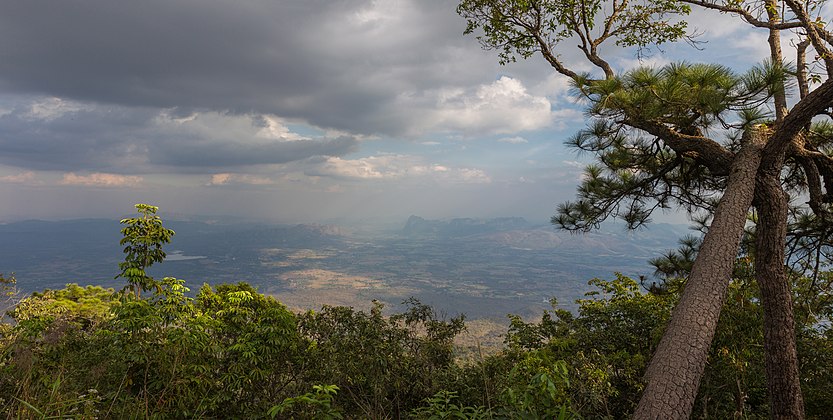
[(229, 351)]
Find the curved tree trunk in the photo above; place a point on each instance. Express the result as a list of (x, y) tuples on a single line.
[(781, 356), (674, 373)]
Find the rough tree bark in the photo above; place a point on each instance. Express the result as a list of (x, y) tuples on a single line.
[(674, 373), (780, 354)]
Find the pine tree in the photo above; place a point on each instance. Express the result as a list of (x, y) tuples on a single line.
[(654, 136)]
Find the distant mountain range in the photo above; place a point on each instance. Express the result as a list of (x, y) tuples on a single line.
[(417, 226)]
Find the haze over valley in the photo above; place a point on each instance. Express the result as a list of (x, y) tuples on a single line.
[(485, 268)]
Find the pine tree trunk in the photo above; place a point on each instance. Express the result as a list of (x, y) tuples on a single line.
[(781, 356), (674, 373)]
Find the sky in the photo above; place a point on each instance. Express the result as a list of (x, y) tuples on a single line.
[(289, 110)]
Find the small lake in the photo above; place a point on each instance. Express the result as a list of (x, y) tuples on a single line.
[(179, 256)]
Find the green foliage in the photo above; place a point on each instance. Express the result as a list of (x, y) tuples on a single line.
[(675, 264), (312, 405), (387, 365), (260, 347), (8, 286), (538, 389), (683, 95), (8, 295), (443, 406), (516, 28), (232, 352), (142, 241), (637, 174), (605, 347), (76, 305), (39, 355)]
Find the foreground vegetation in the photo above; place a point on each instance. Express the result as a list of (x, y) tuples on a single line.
[(231, 352)]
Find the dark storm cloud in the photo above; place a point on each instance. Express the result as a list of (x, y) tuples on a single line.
[(50, 134), (334, 64), (80, 139)]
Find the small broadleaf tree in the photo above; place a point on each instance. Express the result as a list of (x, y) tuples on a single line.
[(143, 238)]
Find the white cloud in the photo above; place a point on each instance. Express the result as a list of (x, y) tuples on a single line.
[(50, 108), (565, 116), (251, 128), (630, 63), (274, 128), (220, 179), (380, 24), (366, 168), (27, 177), (753, 42), (383, 17), (395, 167), (513, 140), (501, 107), (228, 178), (555, 86), (99, 179), (715, 24), (475, 176)]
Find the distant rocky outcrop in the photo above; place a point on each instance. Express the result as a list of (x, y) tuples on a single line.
[(322, 230), (419, 226)]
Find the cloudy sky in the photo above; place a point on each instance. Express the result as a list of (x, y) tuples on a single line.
[(286, 110)]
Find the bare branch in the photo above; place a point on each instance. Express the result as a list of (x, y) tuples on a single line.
[(746, 15), (801, 68), (814, 34)]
